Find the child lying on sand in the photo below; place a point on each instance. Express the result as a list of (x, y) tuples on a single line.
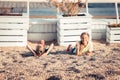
[(41, 49), (83, 47)]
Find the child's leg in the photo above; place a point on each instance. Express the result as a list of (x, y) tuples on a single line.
[(32, 50), (49, 49), (69, 48)]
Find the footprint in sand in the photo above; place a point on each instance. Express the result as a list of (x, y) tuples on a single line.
[(95, 76), (53, 78), (112, 73), (73, 69)]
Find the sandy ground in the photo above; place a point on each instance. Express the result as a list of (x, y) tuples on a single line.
[(17, 63)]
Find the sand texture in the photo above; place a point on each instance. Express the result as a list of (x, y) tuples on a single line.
[(17, 63)]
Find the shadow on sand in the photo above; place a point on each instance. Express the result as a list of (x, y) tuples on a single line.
[(28, 54)]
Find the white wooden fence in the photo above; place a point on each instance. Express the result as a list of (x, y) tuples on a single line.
[(42, 29), (99, 29), (47, 29), (13, 30), (113, 35), (69, 29)]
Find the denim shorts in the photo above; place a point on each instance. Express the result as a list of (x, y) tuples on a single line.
[(73, 51)]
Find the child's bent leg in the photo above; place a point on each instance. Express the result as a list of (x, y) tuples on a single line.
[(49, 49), (69, 48), (32, 50)]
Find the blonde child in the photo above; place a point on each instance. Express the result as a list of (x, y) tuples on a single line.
[(83, 47)]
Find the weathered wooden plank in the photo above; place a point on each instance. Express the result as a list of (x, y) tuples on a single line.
[(13, 32), (68, 38), (113, 41), (74, 19), (40, 36), (42, 28), (114, 28), (98, 35), (114, 32), (14, 26), (73, 26), (72, 32), (113, 35), (14, 19), (98, 31)]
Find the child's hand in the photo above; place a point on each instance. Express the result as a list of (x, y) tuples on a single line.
[(89, 53)]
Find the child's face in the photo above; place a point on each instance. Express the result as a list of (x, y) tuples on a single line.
[(42, 42), (85, 39)]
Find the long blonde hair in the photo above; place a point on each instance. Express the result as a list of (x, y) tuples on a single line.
[(84, 33)]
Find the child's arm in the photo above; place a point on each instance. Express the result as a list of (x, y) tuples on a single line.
[(77, 49), (89, 53)]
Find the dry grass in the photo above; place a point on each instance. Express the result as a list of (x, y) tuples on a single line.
[(69, 7)]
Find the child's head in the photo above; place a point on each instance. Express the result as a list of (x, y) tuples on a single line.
[(84, 38), (42, 42)]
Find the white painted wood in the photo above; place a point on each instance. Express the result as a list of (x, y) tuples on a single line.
[(13, 22), (71, 21), (115, 28), (117, 37), (87, 10), (13, 32), (13, 37), (74, 26), (68, 38), (99, 29), (117, 12), (43, 28), (114, 32), (72, 32), (16, 19), (113, 41), (113, 35), (40, 36), (70, 28), (74, 19), (13, 26), (98, 36)]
